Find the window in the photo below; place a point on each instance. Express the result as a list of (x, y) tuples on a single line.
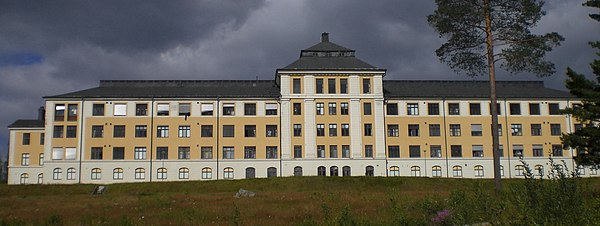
[(321, 171), (184, 109), (394, 171), (297, 109), (184, 173), (367, 109), (369, 151), (71, 174), (345, 151), (228, 131), (319, 86), (139, 153), (412, 109), (297, 151), (520, 170), (476, 130), (118, 174), (96, 153), (228, 173), (332, 108), (26, 138), (206, 131), (332, 130), (434, 130), (141, 109), (553, 109), (320, 108), (501, 150), (250, 131), (435, 151), (557, 150), (140, 173), (320, 130), (453, 109), (343, 86), (118, 153), (72, 112), (141, 130), (206, 152), (536, 129), (249, 109), (206, 173), (499, 129), (413, 130), (228, 109), (577, 126), (478, 171), (345, 130), (162, 153), (120, 110), (414, 151), (538, 150), (366, 85), (207, 109), (539, 170), (343, 108), (42, 137), (475, 108), (162, 109), (346, 171), (517, 150), (161, 173), (119, 131), (515, 108), (394, 151), (392, 109), (183, 153), (96, 174), (184, 131), (41, 159), (415, 171), (555, 129), (333, 151), (369, 171), (57, 174), (478, 151), (455, 130), (433, 108), (497, 108), (250, 173), (333, 171), (271, 152), (593, 171), (320, 151), (59, 112), (58, 131), (296, 87), (249, 152), (71, 132), (271, 130), (58, 153), (436, 171), (98, 110), (368, 127), (456, 151), (25, 159), (457, 171), (331, 85), (516, 129), (70, 153), (297, 130), (534, 109), (228, 153), (162, 131)]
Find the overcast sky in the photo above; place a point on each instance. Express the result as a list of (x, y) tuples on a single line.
[(54, 47)]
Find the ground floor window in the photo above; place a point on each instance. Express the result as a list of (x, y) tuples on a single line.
[(457, 171), (96, 174), (57, 174), (228, 173), (321, 171), (250, 173), (118, 174), (161, 173), (184, 173), (478, 171), (394, 171), (206, 173), (369, 171), (24, 178), (415, 171), (346, 171), (271, 172), (333, 171), (298, 171), (520, 170), (140, 173), (71, 174), (436, 171)]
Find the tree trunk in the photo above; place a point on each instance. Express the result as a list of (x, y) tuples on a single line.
[(493, 99)]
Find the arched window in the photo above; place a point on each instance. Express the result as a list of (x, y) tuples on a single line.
[(24, 178), (271, 172), (118, 174), (369, 171), (501, 170), (346, 171), (298, 171), (140, 173), (206, 173), (321, 171), (581, 170), (415, 171), (457, 171), (250, 173), (228, 173), (478, 171), (436, 171), (40, 178), (161, 173), (333, 171), (71, 174), (96, 174), (394, 171), (184, 173), (520, 170), (539, 170), (57, 174)]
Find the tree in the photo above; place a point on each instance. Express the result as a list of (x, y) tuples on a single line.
[(482, 33), (587, 139)]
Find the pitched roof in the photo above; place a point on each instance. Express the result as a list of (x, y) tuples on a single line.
[(27, 123), (178, 89), (468, 89)]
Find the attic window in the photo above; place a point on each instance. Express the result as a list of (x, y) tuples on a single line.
[(162, 110)]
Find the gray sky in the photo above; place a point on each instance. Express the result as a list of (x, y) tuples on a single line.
[(54, 47)]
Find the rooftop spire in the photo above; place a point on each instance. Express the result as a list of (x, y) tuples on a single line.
[(325, 37)]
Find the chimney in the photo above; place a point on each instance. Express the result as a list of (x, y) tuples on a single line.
[(325, 37), (42, 113)]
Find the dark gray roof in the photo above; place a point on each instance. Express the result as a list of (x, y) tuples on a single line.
[(27, 123), (468, 89), (178, 89)]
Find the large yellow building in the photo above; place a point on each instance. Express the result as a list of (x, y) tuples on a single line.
[(327, 114)]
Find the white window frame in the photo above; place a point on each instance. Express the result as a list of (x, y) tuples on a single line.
[(120, 110)]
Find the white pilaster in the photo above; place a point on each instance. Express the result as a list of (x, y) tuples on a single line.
[(355, 126), (309, 129), (286, 137), (379, 129), (309, 85)]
